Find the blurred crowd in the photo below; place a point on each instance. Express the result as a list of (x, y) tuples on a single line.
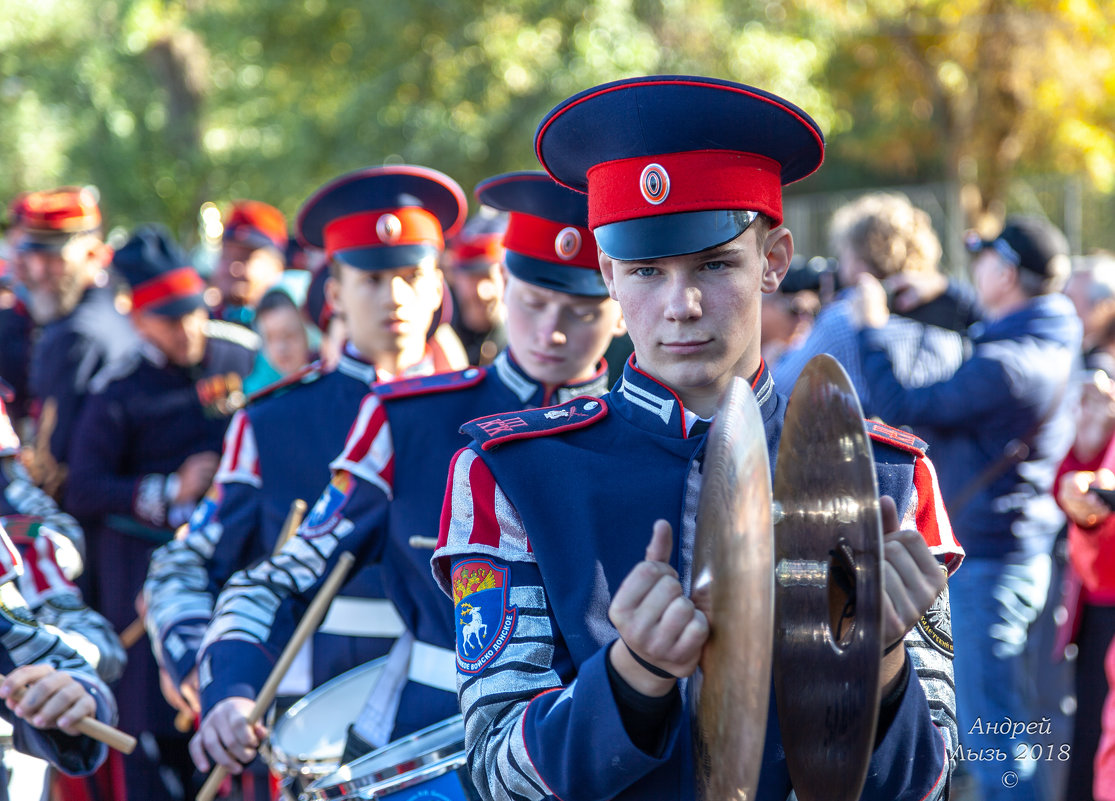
[(122, 367)]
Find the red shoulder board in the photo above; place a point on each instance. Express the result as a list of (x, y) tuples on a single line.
[(430, 384), (895, 437), (308, 374), (496, 429)]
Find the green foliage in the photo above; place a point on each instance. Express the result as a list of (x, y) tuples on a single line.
[(165, 104)]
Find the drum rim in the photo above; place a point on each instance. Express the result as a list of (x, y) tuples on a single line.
[(320, 791), (394, 784)]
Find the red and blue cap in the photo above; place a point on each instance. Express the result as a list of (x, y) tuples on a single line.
[(256, 224), (478, 246), (51, 217), (676, 164), (382, 218), (162, 280), (548, 242)]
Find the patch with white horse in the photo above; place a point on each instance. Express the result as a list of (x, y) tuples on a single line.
[(484, 620)]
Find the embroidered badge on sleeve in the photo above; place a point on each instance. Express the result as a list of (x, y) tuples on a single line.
[(936, 624), (484, 620), (326, 513), (203, 513)]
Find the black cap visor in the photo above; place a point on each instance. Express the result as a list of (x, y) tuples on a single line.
[(388, 257), (658, 237), (176, 307), (558, 277)]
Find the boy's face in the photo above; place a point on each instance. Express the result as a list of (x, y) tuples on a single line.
[(695, 319), (558, 338), (387, 312)]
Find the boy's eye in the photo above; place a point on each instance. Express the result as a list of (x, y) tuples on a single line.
[(714, 265), (644, 272)]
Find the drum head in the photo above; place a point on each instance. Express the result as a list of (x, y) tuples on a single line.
[(310, 736), (828, 589), (421, 756), (733, 577)]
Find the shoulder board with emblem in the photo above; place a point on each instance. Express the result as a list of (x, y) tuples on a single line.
[(895, 437), (307, 375), (497, 429), (429, 384), (231, 332)]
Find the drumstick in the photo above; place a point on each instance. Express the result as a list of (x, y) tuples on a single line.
[(133, 633), (418, 541), (290, 525), (93, 728), (184, 720), (312, 619)]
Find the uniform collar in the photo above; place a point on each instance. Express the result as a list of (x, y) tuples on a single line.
[(652, 405), (357, 366), (354, 365), (533, 394)]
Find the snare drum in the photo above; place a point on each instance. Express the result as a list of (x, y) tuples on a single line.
[(428, 765), (308, 740)]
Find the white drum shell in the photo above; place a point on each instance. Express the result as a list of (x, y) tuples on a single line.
[(308, 740)]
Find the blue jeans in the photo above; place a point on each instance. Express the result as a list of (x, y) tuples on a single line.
[(994, 601)]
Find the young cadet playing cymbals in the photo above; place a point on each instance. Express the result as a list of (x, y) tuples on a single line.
[(567, 538)]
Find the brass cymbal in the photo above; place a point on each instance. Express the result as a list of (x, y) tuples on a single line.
[(733, 570), (828, 587)]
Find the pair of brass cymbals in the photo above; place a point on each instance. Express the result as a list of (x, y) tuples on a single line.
[(790, 576)]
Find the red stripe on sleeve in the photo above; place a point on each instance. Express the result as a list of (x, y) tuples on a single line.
[(234, 462), (447, 502), (485, 523), (927, 511), (932, 518), (364, 439), (388, 472), (31, 561)]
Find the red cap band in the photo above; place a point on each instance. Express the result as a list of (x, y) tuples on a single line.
[(253, 219), (60, 211), (180, 283), (699, 180), (410, 225), (550, 241), (488, 247)]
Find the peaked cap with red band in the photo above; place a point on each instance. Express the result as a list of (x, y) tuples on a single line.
[(676, 164), (256, 224), (51, 217), (162, 280), (382, 218), (477, 251), (547, 242)]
